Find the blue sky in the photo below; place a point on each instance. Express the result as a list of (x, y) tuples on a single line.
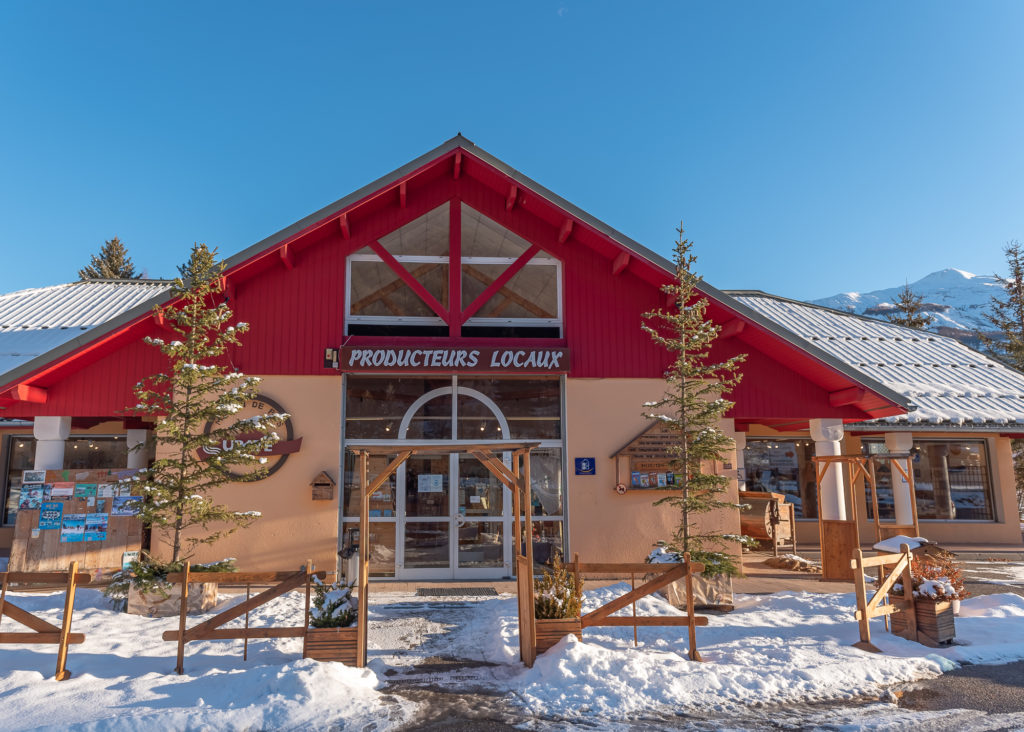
[(809, 147)]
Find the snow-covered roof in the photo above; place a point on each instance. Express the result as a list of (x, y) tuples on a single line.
[(949, 383), (33, 322)]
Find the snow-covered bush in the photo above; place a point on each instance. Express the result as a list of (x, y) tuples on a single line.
[(149, 575), (715, 563), (333, 606), (555, 595), (935, 578)]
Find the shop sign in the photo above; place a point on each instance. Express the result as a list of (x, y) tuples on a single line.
[(276, 454), (505, 360)]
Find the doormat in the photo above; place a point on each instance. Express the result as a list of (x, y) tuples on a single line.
[(456, 592)]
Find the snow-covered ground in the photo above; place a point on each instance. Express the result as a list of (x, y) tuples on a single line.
[(773, 649)]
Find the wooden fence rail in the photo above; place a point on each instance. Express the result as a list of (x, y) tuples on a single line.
[(42, 631), (211, 630)]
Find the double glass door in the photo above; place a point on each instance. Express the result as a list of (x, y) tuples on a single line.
[(453, 518)]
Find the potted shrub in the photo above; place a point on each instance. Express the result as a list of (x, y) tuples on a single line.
[(556, 604), (331, 635), (938, 587), (142, 587), (712, 588)]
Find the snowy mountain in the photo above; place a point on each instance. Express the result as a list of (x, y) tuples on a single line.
[(958, 300)]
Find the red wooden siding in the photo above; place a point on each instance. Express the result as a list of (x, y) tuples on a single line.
[(294, 300)]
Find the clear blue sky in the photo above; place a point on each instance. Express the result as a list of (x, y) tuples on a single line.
[(810, 147)]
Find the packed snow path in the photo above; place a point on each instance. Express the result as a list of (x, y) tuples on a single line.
[(772, 650)]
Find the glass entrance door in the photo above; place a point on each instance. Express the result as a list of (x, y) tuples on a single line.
[(455, 517)]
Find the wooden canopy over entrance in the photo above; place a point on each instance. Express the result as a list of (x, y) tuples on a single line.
[(516, 478), (840, 538)]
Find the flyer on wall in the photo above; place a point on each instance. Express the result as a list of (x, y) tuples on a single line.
[(125, 505), (33, 476), (50, 514), (62, 490), (72, 528), (96, 526), (31, 497)]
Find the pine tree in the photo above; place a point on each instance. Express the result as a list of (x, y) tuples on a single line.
[(1007, 316), (112, 263), (909, 311), (198, 390), (693, 407)]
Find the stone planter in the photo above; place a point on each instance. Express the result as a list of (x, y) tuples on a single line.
[(713, 592), (331, 644), (202, 597), (935, 624), (552, 630)]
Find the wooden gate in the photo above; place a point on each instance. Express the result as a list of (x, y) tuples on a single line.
[(44, 632), (211, 630)]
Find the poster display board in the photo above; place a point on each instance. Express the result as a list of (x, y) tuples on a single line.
[(88, 516), (645, 462)]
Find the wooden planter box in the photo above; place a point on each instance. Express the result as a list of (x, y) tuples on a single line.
[(331, 644), (714, 593), (550, 631), (202, 597), (934, 621)]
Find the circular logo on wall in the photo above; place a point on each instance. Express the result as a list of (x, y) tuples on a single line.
[(276, 455)]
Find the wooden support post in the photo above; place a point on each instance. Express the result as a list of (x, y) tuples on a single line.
[(874, 503), (309, 581), (3, 597), (632, 586), (576, 577), (180, 668), (863, 615), (245, 641), (690, 617), (364, 559), (518, 546), (527, 489), (908, 593), (65, 625)]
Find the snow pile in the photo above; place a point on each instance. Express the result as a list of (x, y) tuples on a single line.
[(892, 544), (124, 679), (935, 588)]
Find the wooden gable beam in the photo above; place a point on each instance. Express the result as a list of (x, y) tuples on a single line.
[(26, 393), (458, 164), (565, 232), (732, 328), (286, 257), (343, 224), (401, 194), (846, 397), (620, 263), (513, 193)]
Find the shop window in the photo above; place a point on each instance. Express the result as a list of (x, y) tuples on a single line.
[(952, 480), (21, 455), (532, 406), (783, 466), (489, 300), (93, 453)]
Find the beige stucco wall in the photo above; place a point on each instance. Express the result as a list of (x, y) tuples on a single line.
[(1005, 530), (293, 527), (602, 415)]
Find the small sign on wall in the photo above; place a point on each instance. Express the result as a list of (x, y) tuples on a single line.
[(586, 466)]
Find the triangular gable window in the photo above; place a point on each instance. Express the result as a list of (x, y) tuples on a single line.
[(505, 286)]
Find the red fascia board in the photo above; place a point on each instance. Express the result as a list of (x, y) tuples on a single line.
[(382, 341)]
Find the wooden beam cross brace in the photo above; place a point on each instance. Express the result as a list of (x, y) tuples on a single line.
[(620, 263), (513, 192), (565, 232)]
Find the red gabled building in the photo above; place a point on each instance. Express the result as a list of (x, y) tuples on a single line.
[(453, 300)]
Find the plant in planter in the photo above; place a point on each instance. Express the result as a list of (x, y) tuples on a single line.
[(556, 605), (200, 445), (142, 587), (331, 635), (692, 410), (938, 588)]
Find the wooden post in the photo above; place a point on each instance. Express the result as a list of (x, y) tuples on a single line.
[(364, 558), (65, 625), (528, 505), (180, 668), (913, 492), (874, 500), (3, 597), (691, 620), (632, 586), (908, 594), (863, 619), (519, 548), (245, 641), (309, 581), (576, 577)]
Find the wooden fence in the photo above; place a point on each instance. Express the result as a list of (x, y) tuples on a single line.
[(42, 631), (898, 568), (210, 629), (665, 574)]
